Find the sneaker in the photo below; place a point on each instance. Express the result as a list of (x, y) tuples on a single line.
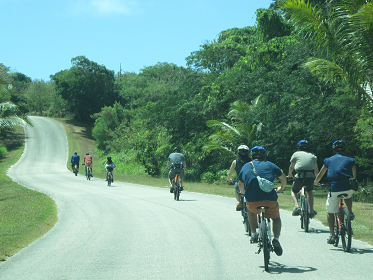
[(112, 180), (181, 188), (85, 174), (254, 239), (239, 206), (105, 179), (332, 239), (277, 247), (313, 214), (352, 216), (171, 189), (296, 211)]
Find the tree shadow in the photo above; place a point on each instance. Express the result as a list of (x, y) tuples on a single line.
[(85, 130)]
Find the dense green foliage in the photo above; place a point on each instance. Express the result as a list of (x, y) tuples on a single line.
[(272, 84)]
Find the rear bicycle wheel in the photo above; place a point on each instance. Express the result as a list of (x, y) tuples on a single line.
[(265, 244), (301, 212), (346, 232), (178, 190), (109, 179), (306, 215), (336, 230)]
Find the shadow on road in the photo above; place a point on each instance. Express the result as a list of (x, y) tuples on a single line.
[(277, 268)]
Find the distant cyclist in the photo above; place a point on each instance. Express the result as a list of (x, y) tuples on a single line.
[(88, 163), (305, 165), (340, 168), (242, 158), (109, 165), (75, 161), (176, 164), (255, 197)]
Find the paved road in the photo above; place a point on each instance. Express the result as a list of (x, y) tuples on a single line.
[(132, 231)]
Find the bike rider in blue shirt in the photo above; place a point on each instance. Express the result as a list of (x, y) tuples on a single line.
[(255, 197), (75, 161), (242, 158), (340, 168)]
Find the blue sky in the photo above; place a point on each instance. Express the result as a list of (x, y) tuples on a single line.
[(40, 37)]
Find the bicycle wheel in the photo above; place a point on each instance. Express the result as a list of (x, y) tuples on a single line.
[(306, 215), (301, 213), (178, 190), (336, 230), (265, 244), (87, 175), (109, 179), (346, 232)]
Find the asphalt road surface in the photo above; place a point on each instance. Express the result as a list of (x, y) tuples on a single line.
[(131, 231)]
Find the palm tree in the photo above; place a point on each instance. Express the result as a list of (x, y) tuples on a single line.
[(342, 32), (11, 116), (240, 131)]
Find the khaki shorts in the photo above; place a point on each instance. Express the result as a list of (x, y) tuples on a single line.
[(332, 203), (273, 212)]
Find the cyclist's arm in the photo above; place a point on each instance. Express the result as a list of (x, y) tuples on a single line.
[(184, 164), (354, 171), (283, 180), (168, 165), (316, 168), (320, 174), (241, 186), (231, 170), (291, 169)]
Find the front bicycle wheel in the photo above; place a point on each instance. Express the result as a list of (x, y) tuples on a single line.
[(109, 180), (346, 232), (265, 244), (306, 215), (87, 175)]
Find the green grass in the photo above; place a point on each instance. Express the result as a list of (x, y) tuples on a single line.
[(25, 215)]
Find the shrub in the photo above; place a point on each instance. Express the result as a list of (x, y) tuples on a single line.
[(3, 151)]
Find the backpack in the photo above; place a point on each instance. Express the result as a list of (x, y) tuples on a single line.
[(264, 184)]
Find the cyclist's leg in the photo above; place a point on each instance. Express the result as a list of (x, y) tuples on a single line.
[(296, 187), (332, 206)]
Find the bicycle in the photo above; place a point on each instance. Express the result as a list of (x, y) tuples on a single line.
[(264, 236), (304, 210), (109, 179), (88, 171), (244, 211), (176, 187), (342, 225), (75, 169)]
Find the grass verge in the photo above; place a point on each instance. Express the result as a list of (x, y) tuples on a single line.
[(25, 215)]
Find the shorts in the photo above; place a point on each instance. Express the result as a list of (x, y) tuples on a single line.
[(308, 183), (109, 169), (175, 171), (273, 212), (332, 203)]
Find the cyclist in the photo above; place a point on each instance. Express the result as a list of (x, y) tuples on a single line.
[(178, 165), (109, 165), (75, 161), (88, 163), (305, 165), (242, 158), (340, 168), (248, 184)]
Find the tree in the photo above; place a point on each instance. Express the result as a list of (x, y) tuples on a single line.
[(343, 37), (86, 86), (11, 116)]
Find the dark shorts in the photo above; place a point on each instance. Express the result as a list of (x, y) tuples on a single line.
[(175, 171), (297, 184), (272, 213), (109, 169)]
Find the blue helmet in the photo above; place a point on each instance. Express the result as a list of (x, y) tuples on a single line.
[(339, 145), (302, 144), (258, 152)]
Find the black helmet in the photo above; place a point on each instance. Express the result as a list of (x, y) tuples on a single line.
[(87, 154), (258, 152), (109, 158), (175, 150), (302, 144), (339, 145), (243, 150)]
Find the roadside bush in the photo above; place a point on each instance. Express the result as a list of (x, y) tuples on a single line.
[(364, 193), (3, 151)]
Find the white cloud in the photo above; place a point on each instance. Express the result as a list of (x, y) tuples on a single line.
[(105, 7)]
